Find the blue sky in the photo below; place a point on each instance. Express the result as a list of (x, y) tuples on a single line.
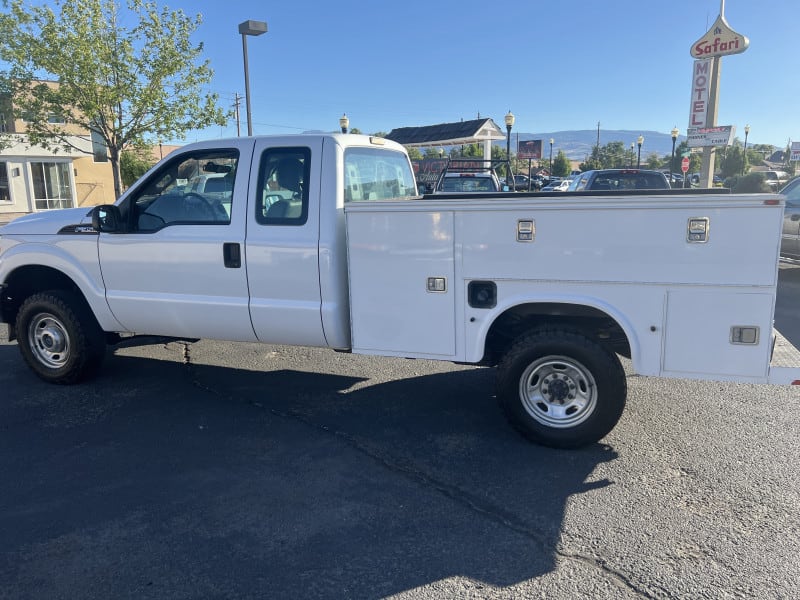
[(555, 65)]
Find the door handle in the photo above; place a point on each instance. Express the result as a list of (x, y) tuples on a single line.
[(232, 255)]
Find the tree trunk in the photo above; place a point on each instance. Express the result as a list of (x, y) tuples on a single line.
[(113, 157)]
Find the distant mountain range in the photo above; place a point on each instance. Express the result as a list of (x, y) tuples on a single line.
[(577, 145)]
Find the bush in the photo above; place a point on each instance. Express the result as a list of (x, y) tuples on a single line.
[(752, 183)]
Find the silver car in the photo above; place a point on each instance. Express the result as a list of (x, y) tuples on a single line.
[(790, 240)]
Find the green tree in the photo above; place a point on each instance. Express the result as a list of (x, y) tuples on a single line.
[(134, 163), (414, 153), (126, 84), (731, 160), (432, 152), (654, 161), (472, 150), (561, 165), (612, 155)]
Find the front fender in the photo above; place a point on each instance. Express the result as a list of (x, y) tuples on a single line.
[(76, 258)]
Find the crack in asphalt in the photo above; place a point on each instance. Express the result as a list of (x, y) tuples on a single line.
[(454, 493)]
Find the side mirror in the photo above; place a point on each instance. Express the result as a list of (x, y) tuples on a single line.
[(106, 218)]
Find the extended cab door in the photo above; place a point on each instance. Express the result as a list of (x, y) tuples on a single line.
[(178, 269), (282, 243)]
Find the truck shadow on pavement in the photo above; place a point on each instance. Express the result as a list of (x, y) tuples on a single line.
[(160, 479)]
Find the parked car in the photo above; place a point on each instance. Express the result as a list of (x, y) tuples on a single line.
[(776, 179), (677, 179), (522, 183), (461, 175), (557, 186), (790, 238), (469, 182), (618, 180)]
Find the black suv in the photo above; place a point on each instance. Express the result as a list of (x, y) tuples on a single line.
[(618, 180)]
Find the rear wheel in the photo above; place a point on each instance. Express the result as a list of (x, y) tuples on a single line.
[(59, 337), (560, 388)]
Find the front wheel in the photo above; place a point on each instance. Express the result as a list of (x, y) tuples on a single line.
[(560, 388), (59, 337)]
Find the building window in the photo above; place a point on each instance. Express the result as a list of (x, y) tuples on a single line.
[(52, 185), (5, 192), (99, 150)]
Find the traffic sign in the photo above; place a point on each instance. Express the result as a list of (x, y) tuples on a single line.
[(685, 164)]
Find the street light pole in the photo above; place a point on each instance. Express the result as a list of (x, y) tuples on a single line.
[(744, 155), (246, 28), (632, 154), (509, 125), (551, 158), (344, 122), (639, 142), (674, 134)]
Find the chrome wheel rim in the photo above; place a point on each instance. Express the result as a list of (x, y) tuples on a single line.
[(49, 340), (558, 392)]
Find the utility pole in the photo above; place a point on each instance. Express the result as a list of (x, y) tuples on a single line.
[(237, 99), (598, 135)]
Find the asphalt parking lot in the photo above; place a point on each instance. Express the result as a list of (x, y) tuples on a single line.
[(218, 470)]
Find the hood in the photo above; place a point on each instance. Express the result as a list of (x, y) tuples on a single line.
[(48, 222)]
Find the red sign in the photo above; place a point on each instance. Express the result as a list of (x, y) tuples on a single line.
[(685, 164), (530, 149)]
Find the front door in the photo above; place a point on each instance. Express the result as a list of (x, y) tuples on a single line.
[(179, 269)]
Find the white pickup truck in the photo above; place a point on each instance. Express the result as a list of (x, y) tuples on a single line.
[(322, 240)]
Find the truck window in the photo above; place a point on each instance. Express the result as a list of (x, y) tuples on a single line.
[(377, 174), (175, 196), (282, 190)]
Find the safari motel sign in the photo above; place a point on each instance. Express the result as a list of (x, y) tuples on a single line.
[(720, 40)]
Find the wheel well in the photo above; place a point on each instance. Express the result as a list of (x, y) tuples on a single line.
[(520, 319), (27, 280)]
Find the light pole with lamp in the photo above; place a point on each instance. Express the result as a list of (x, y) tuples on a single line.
[(639, 142), (632, 154), (551, 158), (509, 125), (344, 122), (744, 155), (253, 28), (674, 134)]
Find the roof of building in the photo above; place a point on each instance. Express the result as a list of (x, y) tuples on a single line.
[(446, 134)]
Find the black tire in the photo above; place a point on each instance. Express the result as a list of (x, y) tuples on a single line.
[(59, 337), (560, 388)]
